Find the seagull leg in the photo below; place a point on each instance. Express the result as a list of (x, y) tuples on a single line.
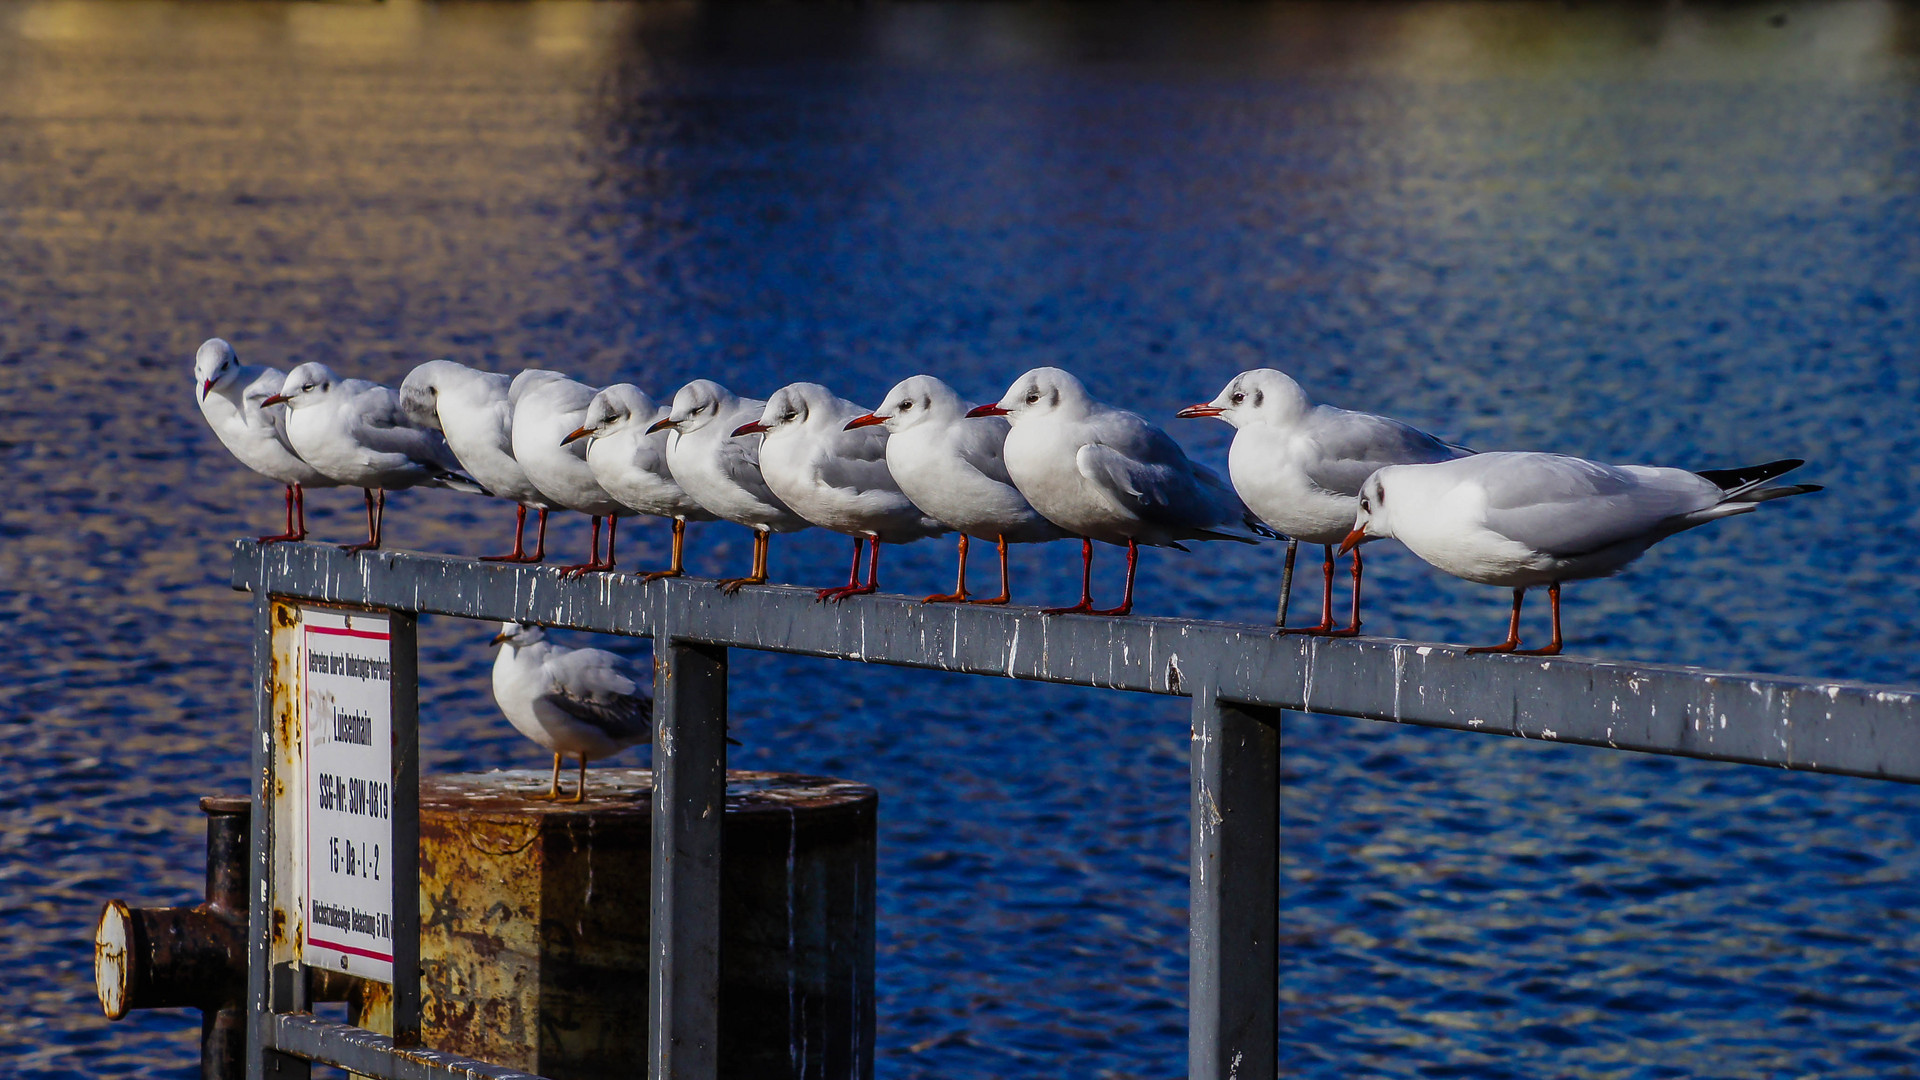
[(1353, 626), (959, 593), (853, 576), (1085, 606), (593, 563), (1126, 598), (580, 792), (1005, 595), (540, 539), (553, 792), (1553, 648), (679, 542), (1326, 601), (873, 570), (759, 574), (1513, 627), (300, 510), (1286, 583), (289, 534), (375, 512), (519, 531)]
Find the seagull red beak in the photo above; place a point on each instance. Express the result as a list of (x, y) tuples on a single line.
[(498, 638), (576, 433), (754, 428), (1354, 539), (1194, 412), (663, 424), (864, 421), (206, 388), (987, 410), (274, 400)]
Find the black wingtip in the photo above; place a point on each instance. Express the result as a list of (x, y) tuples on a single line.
[(1748, 476)]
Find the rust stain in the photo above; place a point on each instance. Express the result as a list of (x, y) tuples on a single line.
[(279, 925)]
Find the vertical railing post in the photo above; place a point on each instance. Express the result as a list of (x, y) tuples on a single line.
[(266, 994), (1233, 986), (403, 641), (689, 798)]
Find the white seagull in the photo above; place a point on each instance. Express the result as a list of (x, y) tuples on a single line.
[(630, 462), (572, 701), (355, 432), (835, 476), (1525, 519), (470, 407), (1106, 474), (1299, 466), (954, 468), (722, 473), (233, 399), (547, 408)]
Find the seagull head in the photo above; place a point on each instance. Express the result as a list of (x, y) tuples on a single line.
[(214, 364), (1260, 396), (420, 393), (695, 406), (795, 405), (912, 402), (308, 382), (1041, 392), (518, 635), (1371, 521), (611, 410)]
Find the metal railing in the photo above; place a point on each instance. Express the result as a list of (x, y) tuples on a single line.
[(1239, 678)]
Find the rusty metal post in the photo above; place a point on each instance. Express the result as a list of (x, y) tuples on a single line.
[(535, 935)]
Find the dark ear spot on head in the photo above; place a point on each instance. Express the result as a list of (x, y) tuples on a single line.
[(1379, 495), (1258, 397)]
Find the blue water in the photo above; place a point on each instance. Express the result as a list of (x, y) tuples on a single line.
[(1661, 233)]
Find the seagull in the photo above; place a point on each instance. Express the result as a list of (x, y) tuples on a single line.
[(1299, 466), (548, 407), (233, 399), (583, 702), (722, 473), (630, 462), (954, 469), (355, 432), (470, 408), (836, 476), (1526, 519), (1106, 474)]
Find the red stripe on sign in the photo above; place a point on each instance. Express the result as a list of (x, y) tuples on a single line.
[(338, 632), (350, 950)]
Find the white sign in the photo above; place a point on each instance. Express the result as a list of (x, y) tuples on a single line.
[(347, 670)]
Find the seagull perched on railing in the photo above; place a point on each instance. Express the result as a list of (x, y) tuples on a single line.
[(1526, 519), (1300, 466), (571, 701), (954, 468), (233, 398), (722, 472), (835, 476), (355, 432), (1106, 474), (547, 407), (629, 459), (471, 408)]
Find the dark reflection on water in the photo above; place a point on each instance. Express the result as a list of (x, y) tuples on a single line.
[(1640, 232)]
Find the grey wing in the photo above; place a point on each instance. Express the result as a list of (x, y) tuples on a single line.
[(859, 462), (587, 684), (982, 443), (1567, 506), (1348, 447), (1176, 493), (264, 386), (385, 427)]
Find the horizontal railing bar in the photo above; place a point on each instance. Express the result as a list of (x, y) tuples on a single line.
[(1825, 726), (369, 1054)]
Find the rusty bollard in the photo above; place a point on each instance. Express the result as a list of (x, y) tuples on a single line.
[(534, 924)]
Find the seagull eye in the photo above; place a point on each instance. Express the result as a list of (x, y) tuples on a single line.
[(1239, 398), (788, 417), (906, 406), (1033, 397), (307, 387), (1363, 503)]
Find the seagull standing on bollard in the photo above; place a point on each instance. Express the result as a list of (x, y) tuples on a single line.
[(547, 408), (1526, 519), (355, 432), (835, 475), (721, 472), (1106, 474), (954, 468), (233, 398), (571, 701), (470, 407), (629, 459), (1300, 466)]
